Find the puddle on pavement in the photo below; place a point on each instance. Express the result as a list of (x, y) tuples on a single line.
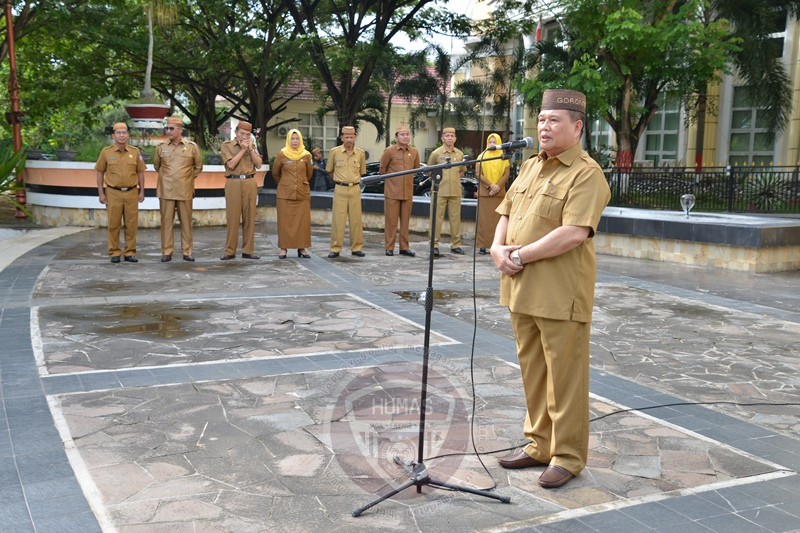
[(150, 321), (419, 296)]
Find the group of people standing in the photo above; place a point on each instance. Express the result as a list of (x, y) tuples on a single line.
[(539, 234)]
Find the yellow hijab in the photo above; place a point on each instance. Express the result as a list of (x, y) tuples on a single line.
[(493, 170), (291, 153)]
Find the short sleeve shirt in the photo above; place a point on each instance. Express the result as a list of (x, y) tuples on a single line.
[(347, 167), (178, 165), (245, 167), (567, 190), (451, 177), (120, 166), (396, 159)]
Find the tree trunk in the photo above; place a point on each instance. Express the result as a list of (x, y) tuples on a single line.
[(701, 130), (147, 92)]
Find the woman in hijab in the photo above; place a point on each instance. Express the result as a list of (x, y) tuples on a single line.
[(292, 171), (493, 177)]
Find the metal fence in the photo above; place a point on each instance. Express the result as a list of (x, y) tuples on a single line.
[(732, 189)]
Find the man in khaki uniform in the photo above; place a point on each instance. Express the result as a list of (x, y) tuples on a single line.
[(120, 186), (178, 163), (347, 164), (241, 159), (449, 196), (398, 193), (544, 249)]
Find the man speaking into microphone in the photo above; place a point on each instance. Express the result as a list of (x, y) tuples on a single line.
[(543, 248)]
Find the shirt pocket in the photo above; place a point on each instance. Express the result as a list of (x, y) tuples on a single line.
[(549, 203)]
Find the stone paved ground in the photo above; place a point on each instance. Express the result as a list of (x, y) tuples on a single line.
[(273, 395)]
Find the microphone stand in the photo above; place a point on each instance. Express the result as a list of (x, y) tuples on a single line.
[(417, 471)]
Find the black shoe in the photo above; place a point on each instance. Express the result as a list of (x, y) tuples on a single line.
[(390, 252), (333, 254), (409, 253), (131, 259), (457, 251), (436, 252), (188, 258), (482, 251), (359, 253), (115, 259), (303, 255), (166, 258), (251, 256), (227, 257)]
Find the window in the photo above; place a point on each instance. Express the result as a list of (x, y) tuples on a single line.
[(751, 143), (661, 138), (602, 135), (314, 133)]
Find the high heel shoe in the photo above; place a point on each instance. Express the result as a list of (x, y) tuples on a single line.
[(282, 255), (303, 255)]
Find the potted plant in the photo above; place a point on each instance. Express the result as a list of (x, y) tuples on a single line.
[(214, 145), (147, 111), (35, 138)]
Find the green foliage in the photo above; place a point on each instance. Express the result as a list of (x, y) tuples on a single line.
[(624, 53), (766, 192), (11, 164)]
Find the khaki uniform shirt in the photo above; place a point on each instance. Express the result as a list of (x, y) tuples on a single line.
[(120, 166), (395, 159), (347, 168), (178, 165), (451, 177), (292, 177), (245, 167), (567, 190)]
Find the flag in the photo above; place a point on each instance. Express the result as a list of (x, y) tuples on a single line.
[(539, 31)]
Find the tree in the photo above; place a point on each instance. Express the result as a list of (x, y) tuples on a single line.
[(431, 87), (756, 60), (634, 50), (394, 78), (161, 12), (346, 41)]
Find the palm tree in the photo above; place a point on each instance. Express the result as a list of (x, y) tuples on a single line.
[(757, 61)]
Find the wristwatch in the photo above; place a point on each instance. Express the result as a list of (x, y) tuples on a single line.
[(515, 258)]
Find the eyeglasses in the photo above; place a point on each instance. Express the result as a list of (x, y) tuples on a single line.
[(169, 128)]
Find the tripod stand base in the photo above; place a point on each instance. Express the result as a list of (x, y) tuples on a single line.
[(419, 477)]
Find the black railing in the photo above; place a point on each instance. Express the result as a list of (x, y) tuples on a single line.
[(733, 189)]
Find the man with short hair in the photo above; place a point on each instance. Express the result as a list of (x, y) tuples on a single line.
[(322, 180), (241, 159), (120, 186), (347, 164), (398, 193), (544, 250), (449, 195), (178, 162)]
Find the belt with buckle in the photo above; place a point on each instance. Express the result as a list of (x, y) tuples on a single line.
[(239, 176), (123, 189), (343, 184)]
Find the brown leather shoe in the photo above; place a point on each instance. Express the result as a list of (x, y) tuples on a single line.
[(227, 257), (166, 258), (519, 460), (189, 258), (554, 476)]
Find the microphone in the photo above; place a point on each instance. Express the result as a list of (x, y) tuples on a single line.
[(525, 143)]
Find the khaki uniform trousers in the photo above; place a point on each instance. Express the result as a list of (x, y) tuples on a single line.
[(346, 211), (168, 209), (393, 210), (453, 205), (122, 210), (554, 362), (241, 196)]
